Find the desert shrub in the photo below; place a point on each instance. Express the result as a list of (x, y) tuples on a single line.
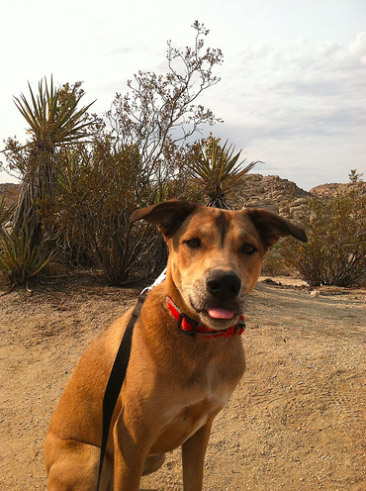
[(274, 262), (94, 199), (78, 195), (99, 187), (336, 251)]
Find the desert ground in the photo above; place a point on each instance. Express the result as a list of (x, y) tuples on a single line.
[(297, 420)]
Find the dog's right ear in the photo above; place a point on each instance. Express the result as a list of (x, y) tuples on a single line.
[(168, 215)]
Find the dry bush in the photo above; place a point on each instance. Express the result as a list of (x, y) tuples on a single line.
[(99, 187), (91, 216), (336, 251), (274, 262)]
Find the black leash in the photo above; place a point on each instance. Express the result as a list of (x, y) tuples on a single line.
[(116, 379)]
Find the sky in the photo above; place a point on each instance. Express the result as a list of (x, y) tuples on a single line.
[(292, 92)]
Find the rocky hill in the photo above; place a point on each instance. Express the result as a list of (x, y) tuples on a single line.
[(271, 188), (284, 196), (330, 190), (272, 192)]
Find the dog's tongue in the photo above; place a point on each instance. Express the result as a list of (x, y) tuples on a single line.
[(220, 313)]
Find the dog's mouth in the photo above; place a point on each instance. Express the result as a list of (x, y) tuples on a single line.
[(219, 317), (220, 313)]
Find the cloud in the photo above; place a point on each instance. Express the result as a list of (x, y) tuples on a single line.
[(122, 50), (306, 88), (298, 108)]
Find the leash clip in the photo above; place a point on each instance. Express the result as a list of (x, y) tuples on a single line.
[(190, 332), (193, 331), (240, 327)]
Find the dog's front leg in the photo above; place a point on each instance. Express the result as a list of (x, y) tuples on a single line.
[(131, 447), (193, 455)]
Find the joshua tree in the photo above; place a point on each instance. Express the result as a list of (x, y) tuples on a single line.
[(54, 119)]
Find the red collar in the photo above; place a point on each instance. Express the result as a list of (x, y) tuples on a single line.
[(191, 327)]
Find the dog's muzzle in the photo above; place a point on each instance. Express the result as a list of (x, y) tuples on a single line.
[(223, 285)]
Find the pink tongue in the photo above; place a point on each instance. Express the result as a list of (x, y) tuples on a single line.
[(220, 313)]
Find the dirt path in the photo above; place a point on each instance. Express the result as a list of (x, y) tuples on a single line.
[(297, 421)]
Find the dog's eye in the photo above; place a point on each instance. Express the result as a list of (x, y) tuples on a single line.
[(248, 249), (194, 243)]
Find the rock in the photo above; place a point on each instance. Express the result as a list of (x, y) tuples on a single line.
[(262, 204), (298, 202), (56, 269), (269, 281), (297, 215)]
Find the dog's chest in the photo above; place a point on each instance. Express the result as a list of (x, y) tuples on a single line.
[(197, 412), (190, 409)]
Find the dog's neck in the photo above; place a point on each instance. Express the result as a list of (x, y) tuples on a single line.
[(173, 292), (193, 328)]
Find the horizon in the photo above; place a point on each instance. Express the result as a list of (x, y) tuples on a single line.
[(291, 92), (250, 174)]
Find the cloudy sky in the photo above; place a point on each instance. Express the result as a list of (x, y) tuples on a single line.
[(292, 91)]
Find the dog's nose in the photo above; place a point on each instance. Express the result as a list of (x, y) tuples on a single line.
[(223, 284)]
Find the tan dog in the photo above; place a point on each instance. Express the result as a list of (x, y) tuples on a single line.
[(175, 384)]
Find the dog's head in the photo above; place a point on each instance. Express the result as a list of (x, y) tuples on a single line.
[(215, 255)]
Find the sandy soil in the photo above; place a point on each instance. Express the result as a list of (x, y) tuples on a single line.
[(297, 421)]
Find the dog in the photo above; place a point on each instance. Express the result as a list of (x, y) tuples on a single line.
[(175, 383)]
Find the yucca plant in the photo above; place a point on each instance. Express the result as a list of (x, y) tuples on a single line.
[(218, 171), (5, 213), (19, 261), (54, 119), (53, 115)]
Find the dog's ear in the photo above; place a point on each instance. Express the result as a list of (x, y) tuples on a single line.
[(271, 227), (168, 215)]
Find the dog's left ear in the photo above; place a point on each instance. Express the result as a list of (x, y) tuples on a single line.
[(271, 227), (168, 215)]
